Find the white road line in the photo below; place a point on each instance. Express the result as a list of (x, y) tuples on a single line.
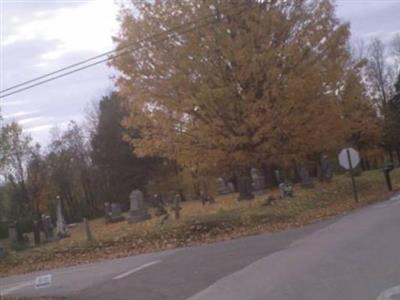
[(15, 288), (391, 203), (387, 294), (136, 269)]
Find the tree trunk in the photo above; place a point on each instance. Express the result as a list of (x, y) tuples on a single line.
[(36, 232)]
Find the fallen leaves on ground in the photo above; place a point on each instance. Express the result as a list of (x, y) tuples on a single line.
[(225, 220)]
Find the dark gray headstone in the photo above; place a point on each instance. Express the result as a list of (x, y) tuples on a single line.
[(116, 211), (244, 187), (326, 169), (50, 227), (36, 232), (306, 180), (159, 205), (12, 234), (176, 206), (2, 251), (113, 212), (137, 211), (206, 198)]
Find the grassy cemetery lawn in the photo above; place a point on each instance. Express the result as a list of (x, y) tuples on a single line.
[(226, 219)]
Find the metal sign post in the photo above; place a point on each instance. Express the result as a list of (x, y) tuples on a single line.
[(353, 181), (349, 159)]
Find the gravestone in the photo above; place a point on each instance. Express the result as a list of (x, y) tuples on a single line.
[(258, 180), (137, 211), (222, 187), (116, 211), (107, 211), (268, 201), (306, 180), (159, 204), (231, 187), (245, 188), (176, 206), (61, 227), (89, 236), (12, 234), (113, 212), (286, 189), (47, 226), (326, 169), (2, 251), (278, 176), (206, 198), (36, 232), (50, 228)]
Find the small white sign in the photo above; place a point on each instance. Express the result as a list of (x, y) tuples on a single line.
[(344, 158), (43, 281)]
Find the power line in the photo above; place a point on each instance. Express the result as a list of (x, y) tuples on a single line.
[(91, 59), (121, 51), (88, 66)]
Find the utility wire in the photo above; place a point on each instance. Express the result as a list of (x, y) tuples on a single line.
[(89, 66), (121, 51)]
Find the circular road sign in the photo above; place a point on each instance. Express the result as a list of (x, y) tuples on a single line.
[(345, 155)]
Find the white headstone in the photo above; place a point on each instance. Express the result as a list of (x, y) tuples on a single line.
[(136, 200), (344, 158), (61, 224), (137, 211)]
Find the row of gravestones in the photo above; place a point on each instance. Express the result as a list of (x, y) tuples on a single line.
[(137, 210), (257, 183), (113, 213), (44, 225), (258, 179), (326, 173)]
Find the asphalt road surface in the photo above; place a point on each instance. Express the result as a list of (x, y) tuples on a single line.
[(352, 257)]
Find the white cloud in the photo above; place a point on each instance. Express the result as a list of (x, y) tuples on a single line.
[(39, 128), (19, 114), (30, 120), (11, 103), (83, 28)]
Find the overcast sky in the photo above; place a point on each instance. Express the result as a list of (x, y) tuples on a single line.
[(39, 36)]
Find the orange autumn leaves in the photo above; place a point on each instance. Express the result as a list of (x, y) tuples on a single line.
[(260, 80)]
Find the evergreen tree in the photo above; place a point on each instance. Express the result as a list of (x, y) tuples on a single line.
[(118, 168)]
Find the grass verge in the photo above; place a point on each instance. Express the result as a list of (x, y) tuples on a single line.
[(227, 219)]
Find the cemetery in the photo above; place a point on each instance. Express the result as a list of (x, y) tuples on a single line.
[(144, 126), (157, 222)]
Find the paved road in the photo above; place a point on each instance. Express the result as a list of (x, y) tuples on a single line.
[(354, 257)]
